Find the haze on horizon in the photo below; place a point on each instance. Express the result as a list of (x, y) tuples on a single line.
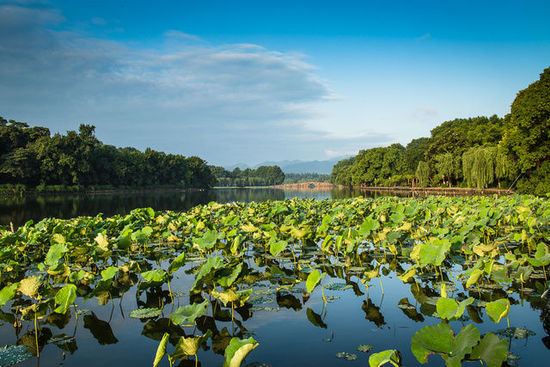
[(250, 81)]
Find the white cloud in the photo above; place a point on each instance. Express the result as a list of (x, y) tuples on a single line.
[(225, 103)]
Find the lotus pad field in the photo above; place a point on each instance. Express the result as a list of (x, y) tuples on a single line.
[(396, 281)]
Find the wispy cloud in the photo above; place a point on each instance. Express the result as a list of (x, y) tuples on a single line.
[(226, 103), (425, 36)]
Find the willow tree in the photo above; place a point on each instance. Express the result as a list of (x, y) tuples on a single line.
[(448, 165), (478, 166), (423, 172)]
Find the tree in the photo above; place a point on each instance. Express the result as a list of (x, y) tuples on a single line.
[(423, 173), (527, 135), (415, 152)]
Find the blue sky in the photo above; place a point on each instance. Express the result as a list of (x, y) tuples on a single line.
[(253, 81)]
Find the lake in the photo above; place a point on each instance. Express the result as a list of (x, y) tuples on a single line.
[(346, 313), (37, 206)]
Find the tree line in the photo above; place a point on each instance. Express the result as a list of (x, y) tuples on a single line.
[(475, 152), (261, 176), (33, 157)]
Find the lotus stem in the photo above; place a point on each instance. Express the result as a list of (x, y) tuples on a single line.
[(36, 336), (508, 321), (323, 295), (170, 290), (381, 286), (196, 360)]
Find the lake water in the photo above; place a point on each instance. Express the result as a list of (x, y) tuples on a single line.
[(293, 330), (21, 209)]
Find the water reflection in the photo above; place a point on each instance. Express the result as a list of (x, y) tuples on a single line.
[(21, 209)]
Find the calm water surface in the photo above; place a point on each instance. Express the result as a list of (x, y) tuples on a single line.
[(21, 209)]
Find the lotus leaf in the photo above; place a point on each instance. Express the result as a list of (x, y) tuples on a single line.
[(145, 313), (474, 277), (188, 313), (65, 298), (364, 348), (7, 293), (161, 349), (109, 273), (434, 251), (237, 350), (102, 242), (14, 354), (391, 356), (492, 350), (347, 356), (55, 253), (313, 279), (177, 263), (275, 248), (498, 309), (157, 275), (29, 286), (439, 339)]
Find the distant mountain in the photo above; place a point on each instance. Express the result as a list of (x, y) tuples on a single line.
[(241, 166), (294, 166)]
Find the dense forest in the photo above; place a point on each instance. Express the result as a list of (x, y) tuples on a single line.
[(261, 176), (305, 177), (30, 156), (513, 151)]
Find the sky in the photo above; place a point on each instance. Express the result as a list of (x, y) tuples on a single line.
[(254, 81)]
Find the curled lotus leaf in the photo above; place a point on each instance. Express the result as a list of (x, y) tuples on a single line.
[(145, 313), (161, 349), (237, 350), (391, 356), (313, 280)]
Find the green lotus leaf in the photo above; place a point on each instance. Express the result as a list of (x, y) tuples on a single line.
[(65, 298), (237, 350), (177, 263), (498, 309), (474, 277), (14, 354), (434, 251), (7, 293), (55, 253), (275, 248), (207, 270), (145, 313), (188, 313), (439, 339), (492, 350), (368, 226), (227, 276), (161, 349), (190, 345), (157, 275), (313, 279), (432, 339), (109, 273), (391, 356), (446, 308)]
